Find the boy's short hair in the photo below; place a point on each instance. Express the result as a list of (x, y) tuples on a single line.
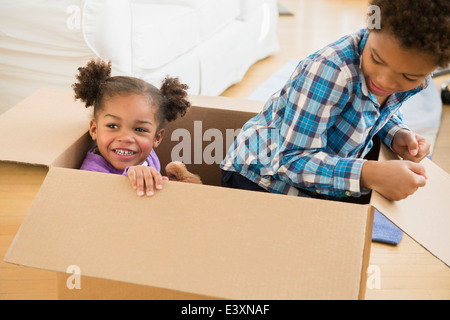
[(418, 24)]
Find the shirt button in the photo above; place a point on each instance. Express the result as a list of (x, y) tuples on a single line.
[(348, 193)]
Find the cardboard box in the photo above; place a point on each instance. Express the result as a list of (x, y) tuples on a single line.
[(193, 241)]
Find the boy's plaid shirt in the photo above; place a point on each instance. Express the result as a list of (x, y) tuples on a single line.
[(312, 135)]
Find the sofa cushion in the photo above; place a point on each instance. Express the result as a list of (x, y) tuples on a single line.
[(41, 45), (248, 7), (161, 33), (212, 15), (138, 35), (48, 27), (107, 28), (186, 68)]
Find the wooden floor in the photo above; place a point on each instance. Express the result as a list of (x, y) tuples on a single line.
[(406, 271)]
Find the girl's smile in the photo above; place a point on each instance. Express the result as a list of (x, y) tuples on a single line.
[(124, 154), (126, 130)]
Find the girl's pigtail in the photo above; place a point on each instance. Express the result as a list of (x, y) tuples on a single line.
[(175, 102), (90, 79)]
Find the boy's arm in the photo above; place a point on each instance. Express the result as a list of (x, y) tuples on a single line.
[(316, 98), (394, 124), (323, 173)]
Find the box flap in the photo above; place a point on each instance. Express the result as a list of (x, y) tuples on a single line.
[(207, 240), (49, 119), (425, 215)]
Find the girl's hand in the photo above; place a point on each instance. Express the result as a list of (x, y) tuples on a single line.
[(144, 179), (410, 146), (394, 179)]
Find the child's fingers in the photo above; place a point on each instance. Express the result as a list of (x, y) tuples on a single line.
[(131, 173), (419, 170), (424, 147), (140, 185), (157, 178), (153, 179), (411, 144), (144, 179), (147, 180)]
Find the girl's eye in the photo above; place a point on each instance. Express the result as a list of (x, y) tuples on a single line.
[(141, 130), (112, 126)]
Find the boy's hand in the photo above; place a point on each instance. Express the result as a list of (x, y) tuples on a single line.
[(394, 179), (144, 179), (410, 146)]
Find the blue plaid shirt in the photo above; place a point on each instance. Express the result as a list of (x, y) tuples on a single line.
[(313, 134)]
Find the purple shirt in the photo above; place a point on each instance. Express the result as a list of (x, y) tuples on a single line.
[(95, 162)]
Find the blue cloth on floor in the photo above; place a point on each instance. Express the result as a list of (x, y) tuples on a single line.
[(385, 231)]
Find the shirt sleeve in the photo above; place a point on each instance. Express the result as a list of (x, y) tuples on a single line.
[(391, 127), (317, 95), (95, 162)]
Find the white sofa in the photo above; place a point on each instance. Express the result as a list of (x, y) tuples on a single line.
[(209, 44)]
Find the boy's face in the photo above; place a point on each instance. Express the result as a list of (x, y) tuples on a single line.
[(126, 130), (389, 68)]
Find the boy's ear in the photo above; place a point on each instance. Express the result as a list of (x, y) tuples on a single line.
[(158, 138), (93, 129)]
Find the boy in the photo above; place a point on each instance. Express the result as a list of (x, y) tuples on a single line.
[(312, 135)]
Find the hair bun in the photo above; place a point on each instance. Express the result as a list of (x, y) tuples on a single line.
[(175, 98), (90, 79)]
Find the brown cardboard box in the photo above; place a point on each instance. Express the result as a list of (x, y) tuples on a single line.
[(193, 241)]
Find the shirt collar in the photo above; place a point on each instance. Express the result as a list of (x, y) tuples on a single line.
[(362, 44)]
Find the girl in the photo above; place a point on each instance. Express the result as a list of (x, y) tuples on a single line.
[(128, 122)]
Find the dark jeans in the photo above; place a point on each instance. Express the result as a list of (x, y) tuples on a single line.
[(231, 179)]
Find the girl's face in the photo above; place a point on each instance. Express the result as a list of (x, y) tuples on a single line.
[(389, 68), (126, 130)]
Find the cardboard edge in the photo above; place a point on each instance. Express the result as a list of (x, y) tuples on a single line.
[(32, 164), (92, 288), (366, 253)]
